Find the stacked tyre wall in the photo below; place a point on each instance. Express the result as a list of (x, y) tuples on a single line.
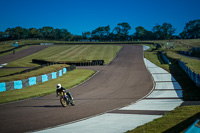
[(19, 84)]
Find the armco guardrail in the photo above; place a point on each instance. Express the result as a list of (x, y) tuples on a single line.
[(185, 53), (196, 49), (19, 84), (193, 76), (164, 58)]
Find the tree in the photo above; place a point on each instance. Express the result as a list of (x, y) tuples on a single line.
[(167, 30), (32, 32), (65, 35), (1, 35), (47, 32), (122, 30), (164, 31), (182, 35), (157, 31), (86, 35), (101, 32), (142, 33), (192, 29)]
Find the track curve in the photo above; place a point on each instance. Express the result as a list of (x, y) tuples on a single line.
[(22, 53), (123, 81)]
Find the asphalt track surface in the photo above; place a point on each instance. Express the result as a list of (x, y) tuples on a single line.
[(122, 82), (21, 53)]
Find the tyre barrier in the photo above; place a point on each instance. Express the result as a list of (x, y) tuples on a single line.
[(195, 77), (19, 84), (84, 63)]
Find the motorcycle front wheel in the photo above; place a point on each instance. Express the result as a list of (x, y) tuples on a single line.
[(63, 102), (72, 102)]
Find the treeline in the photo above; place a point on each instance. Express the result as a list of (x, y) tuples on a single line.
[(104, 33)]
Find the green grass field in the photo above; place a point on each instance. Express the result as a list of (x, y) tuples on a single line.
[(66, 53), (4, 72), (33, 73)]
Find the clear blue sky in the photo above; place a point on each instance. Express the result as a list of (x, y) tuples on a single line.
[(78, 16)]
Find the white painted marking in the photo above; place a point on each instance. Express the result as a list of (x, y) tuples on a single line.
[(106, 123), (155, 104), (4, 64), (157, 70), (168, 85), (163, 77), (166, 94), (145, 47), (149, 64)]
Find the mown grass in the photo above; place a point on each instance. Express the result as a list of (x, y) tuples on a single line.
[(68, 80), (33, 73), (4, 72), (6, 45), (175, 121), (64, 53)]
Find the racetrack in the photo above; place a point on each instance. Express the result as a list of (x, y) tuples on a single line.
[(123, 81), (22, 53)]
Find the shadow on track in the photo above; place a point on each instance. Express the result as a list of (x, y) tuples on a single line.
[(44, 106)]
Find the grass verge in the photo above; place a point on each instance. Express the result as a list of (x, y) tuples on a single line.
[(38, 72), (175, 121), (68, 80), (76, 53), (4, 72)]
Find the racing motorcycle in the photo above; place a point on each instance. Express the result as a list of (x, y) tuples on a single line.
[(66, 99)]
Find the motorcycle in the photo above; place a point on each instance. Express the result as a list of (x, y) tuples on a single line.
[(66, 99)]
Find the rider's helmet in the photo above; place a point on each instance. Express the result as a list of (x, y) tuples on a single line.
[(58, 86)]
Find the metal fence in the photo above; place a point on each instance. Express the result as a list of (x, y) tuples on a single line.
[(185, 53)]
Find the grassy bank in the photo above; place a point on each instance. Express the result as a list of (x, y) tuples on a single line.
[(68, 80), (4, 72), (175, 121), (66, 53), (33, 73)]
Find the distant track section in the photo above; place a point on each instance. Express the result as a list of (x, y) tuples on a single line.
[(22, 53)]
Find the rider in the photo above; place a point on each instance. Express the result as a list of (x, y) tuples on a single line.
[(62, 89)]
